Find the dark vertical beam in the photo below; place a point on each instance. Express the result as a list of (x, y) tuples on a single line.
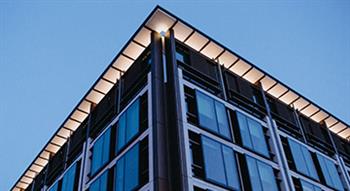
[(160, 155), (177, 155)]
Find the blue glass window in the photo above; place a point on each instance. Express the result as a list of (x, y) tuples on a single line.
[(212, 115), (100, 184), (100, 151), (220, 164), (128, 125), (68, 181), (127, 170), (302, 159), (262, 177), (309, 187), (54, 187), (252, 130), (330, 173)]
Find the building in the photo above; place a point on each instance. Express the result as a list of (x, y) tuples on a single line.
[(176, 110)]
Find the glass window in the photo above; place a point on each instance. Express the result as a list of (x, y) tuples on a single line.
[(100, 184), (68, 181), (262, 177), (212, 115), (330, 173), (181, 56), (100, 151), (220, 163), (128, 125), (302, 159), (252, 130), (127, 170), (308, 186), (54, 187)]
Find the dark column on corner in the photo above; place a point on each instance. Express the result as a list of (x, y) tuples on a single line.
[(160, 154), (177, 162)]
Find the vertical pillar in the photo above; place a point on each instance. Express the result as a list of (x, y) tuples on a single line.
[(277, 145), (160, 155), (178, 170)]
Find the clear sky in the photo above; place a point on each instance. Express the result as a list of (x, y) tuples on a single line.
[(52, 52)]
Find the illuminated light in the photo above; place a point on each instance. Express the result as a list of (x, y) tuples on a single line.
[(309, 110), (212, 50), (52, 148), (330, 121), (94, 96), (277, 90), (181, 31), (103, 86), (78, 115), (300, 103), (338, 127), (253, 75), (289, 97), (143, 37), (112, 75), (196, 41), (319, 116), (227, 59), (160, 21), (58, 140), (64, 132), (345, 133), (240, 67), (133, 51)]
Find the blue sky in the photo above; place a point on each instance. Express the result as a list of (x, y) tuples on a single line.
[(52, 52)]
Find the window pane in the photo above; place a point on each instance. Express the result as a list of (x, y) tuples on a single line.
[(119, 181), (69, 179), (253, 174), (54, 187), (206, 112), (96, 155), (121, 131), (180, 57), (308, 186), (213, 161), (231, 168), (100, 184), (267, 177), (298, 158), (244, 130), (132, 168), (257, 134), (103, 181), (330, 173), (133, 120), (100, 151), (106, 143), (221, 114), (309, 163)]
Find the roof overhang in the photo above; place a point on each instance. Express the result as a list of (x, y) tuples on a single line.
[(160, 20)]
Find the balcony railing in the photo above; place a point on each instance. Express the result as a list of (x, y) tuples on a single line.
[(243, 94), (317, 134)]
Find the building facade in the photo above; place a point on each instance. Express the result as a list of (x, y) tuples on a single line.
[(175, 110)]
